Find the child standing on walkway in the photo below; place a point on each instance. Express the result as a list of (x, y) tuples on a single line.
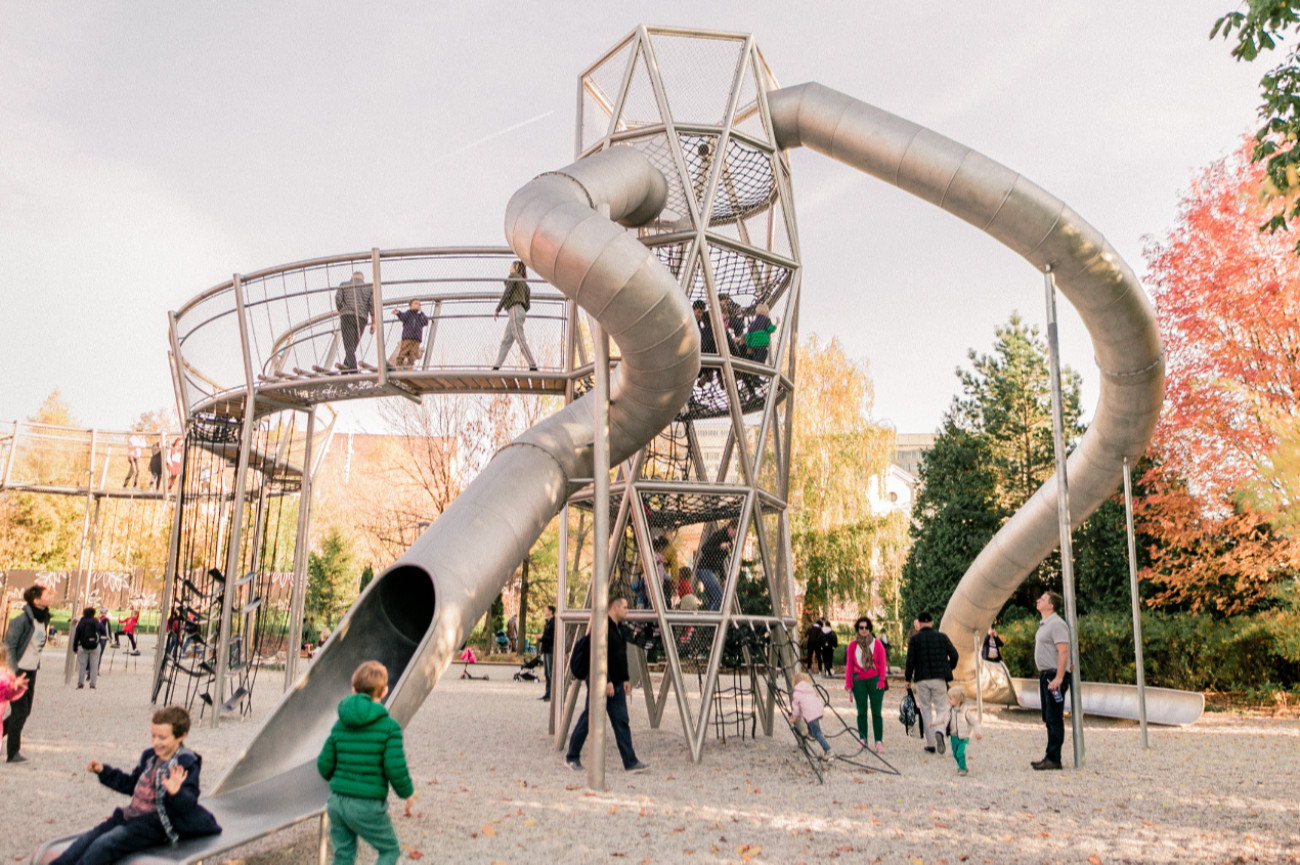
[(164, 791), (361, 758), (408, 350), (962, 725), (805, 704)]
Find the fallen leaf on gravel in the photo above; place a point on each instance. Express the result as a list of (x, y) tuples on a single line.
[(416, 854), (530, 822), (1147, 823), (488, 831), (713, 848), (845, 849), (941, 825), (614, 810), (1094, 859)]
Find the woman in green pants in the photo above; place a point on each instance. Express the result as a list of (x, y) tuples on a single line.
[(864, 675)]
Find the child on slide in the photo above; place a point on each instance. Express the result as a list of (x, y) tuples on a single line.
[(164, 791)]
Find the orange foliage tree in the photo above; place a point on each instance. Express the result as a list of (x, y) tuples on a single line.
[(1228, 302)]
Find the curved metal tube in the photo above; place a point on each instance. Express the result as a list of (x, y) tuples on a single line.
[(416, 614), (1046, 232), (1165, 706)]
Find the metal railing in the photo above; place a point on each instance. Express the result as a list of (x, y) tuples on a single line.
[(291, 325)]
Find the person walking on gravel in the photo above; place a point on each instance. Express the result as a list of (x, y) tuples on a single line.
[(617, 687), (931, 658)]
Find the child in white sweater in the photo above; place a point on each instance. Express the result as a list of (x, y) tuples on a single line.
[(962, 725)]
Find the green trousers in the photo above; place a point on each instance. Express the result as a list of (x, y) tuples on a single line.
[(350, 817), (958, 747), (868, 698)]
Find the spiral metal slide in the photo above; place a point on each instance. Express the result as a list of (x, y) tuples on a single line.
[(1103, 289)]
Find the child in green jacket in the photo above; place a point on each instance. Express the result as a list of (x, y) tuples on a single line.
[(361, 757)]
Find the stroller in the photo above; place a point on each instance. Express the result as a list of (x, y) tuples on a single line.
[(525, 672), (501, 642)]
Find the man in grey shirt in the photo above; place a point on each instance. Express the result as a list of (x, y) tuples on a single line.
[(1052, 658)]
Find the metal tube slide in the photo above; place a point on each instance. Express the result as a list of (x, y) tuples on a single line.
[(415, 615), (1165, 706), (1089, 273)]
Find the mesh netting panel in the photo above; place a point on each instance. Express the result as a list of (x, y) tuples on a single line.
[(709, 396), (668, 456), (744, 279), (673, 510), (675, 215), (747, 183), (697, 75)]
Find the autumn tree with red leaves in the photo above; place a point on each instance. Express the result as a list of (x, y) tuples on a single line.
[(1228, 302)]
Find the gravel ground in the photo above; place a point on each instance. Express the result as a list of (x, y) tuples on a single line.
[(491, 789)]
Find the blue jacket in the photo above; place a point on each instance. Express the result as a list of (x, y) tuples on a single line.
[(180, 814)]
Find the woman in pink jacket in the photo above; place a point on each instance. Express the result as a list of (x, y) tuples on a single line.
[(864, 675)]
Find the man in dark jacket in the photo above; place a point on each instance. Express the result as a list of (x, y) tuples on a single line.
[(546, 647), (355, 302), (617, 688), (164, 791), (931, 658)]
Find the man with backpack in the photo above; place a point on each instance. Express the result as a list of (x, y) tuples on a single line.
[(931, 658), (617, 687)]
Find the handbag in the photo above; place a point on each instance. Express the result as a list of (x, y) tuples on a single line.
[(908, 714)]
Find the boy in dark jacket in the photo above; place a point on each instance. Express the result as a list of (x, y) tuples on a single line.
[(164, 791), (361, 757)]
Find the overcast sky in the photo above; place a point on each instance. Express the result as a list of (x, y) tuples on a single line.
[(149, 150)]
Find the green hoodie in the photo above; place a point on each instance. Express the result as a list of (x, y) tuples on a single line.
[(363, 753)]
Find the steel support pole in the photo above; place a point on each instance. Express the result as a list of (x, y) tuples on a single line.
[(377, 322), (559, 648), (9, 463), (240, 488), (70, 657), (298, 591), (1137, 613), (1063, 515), (169, 583), (599, 675)]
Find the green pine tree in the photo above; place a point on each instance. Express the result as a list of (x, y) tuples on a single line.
[(955, 515)]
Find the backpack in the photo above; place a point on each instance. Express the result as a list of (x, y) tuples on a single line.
[(907, 714), (88, 638), (580, 658)]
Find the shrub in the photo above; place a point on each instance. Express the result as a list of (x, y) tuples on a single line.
[(1180, 650)]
